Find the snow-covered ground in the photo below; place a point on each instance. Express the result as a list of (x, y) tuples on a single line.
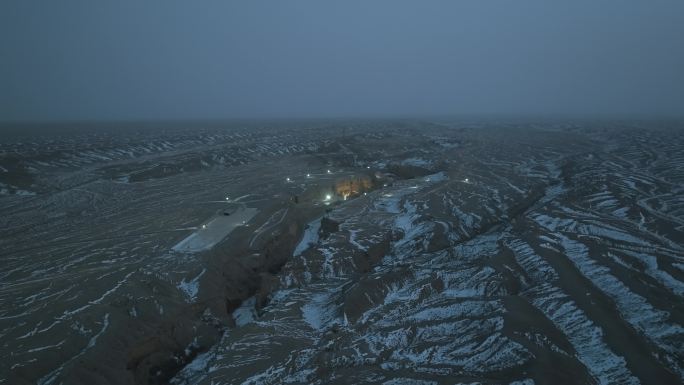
[(480, 278), (530, 259)]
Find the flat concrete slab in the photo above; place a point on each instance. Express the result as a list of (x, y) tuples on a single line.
[(215, 230)]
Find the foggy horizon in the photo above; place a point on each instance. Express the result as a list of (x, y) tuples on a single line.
[(483, 117), (76, 61)]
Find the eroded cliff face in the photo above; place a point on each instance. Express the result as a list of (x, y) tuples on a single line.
[(237, 274)]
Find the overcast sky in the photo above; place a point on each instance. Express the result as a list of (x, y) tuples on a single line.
[(131, 59)]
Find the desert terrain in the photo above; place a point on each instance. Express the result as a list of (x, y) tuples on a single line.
[(343, 252)]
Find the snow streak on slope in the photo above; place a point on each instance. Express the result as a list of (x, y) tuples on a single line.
[(586, 338)]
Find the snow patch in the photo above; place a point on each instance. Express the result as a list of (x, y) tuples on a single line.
[(309, 238), (191, 288)]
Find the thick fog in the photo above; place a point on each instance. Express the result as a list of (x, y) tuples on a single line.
[(127, 60)]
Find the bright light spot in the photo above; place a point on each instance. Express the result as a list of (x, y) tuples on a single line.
[(384, 185), (227, 198), (367, 166), (427, 179), (466, 180), (328, 197), (287, 179), (329, 172), (364, 194), (204, 226), (308, 175)]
